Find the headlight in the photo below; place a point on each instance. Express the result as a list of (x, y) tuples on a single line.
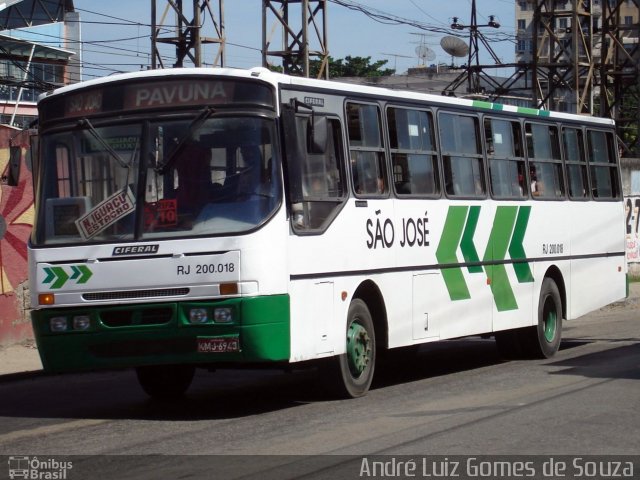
[(58, 324), (81, 322), (223, 315), (198, 315)]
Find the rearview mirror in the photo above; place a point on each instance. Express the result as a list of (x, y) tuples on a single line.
[(317, 133), (15, 160)]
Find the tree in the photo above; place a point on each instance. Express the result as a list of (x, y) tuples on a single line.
[(351, 67)]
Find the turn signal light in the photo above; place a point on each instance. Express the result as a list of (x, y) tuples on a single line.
[(228, 289), (46, 299)]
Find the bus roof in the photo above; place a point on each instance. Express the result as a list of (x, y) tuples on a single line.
[(278, 79)]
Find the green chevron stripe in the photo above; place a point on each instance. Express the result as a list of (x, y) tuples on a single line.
[(80, 273), (466, 245), (446, 253), (496, 250), (516, 250), (86, 274), (62, 277)]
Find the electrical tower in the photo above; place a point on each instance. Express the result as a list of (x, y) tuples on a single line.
[(187, 35), (564, 68), (479, 83), (297, 48), (619, 70)]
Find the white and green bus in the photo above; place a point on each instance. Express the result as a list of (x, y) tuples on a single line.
[(215, 217)]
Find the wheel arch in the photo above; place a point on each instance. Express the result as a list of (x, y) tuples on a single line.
[(554, 273), (370, 294)]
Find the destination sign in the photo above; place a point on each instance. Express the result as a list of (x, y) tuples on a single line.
[(106, 213), (162, 94), (174, 91)]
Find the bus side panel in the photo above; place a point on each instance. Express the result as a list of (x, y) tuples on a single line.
[(597, 279), (448, 299), (540, 228)]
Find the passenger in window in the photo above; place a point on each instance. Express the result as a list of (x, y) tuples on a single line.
[(534, 182), (516, 187)]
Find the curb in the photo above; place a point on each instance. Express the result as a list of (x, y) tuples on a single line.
[(17, 376)]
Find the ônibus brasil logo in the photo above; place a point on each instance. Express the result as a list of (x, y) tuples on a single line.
[(38, 469), (507, 235)]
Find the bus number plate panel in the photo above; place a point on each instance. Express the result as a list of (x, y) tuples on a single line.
[(218, 344)]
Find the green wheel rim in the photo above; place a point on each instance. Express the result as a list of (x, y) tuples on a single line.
[(358, 349), (550, 320)]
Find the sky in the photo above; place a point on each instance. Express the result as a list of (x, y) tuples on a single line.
[(117, 33)]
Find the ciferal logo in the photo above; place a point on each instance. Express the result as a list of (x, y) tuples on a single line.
[(135, 250), (34, 468)]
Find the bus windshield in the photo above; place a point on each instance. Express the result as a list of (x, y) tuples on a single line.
[(204, 175)]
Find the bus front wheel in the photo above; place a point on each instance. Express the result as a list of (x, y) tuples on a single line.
[(357, 364), (165, 382)]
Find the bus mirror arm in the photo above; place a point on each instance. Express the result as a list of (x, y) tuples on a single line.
[(317, 128)]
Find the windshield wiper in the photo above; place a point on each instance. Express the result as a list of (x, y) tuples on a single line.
[(194, 126), (86, 123)]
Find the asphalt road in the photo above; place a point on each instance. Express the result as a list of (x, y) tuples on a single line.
[(452, 398)]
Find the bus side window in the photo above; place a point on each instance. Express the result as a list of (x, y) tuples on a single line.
[(576, 162), (603, 164), (506, 161), (546, 172), (461, 155), (366, 150), (323, 185), (413, 155)]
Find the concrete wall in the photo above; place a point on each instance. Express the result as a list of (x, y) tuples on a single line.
[(16, 220), (632, 206)]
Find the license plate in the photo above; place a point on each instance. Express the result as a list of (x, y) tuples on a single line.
[(218, 344)]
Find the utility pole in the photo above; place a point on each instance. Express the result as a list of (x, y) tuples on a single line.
[(185, 34), (620, 70), (479, 83), (297, 46)]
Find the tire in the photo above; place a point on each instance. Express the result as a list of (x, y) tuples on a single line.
[(165, 382), (352, 372), (543, 340)]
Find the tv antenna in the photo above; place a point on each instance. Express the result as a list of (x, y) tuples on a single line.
[(425, 54), (395, 58), (454, 46)]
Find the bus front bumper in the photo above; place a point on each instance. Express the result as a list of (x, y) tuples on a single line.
[(239, 330)]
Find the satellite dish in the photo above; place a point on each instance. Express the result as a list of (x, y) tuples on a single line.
[(425, 54), (454, 46)]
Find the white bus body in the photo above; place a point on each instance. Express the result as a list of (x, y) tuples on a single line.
[(122, 276)]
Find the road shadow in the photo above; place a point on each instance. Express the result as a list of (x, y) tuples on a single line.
[(621, 362), (223, 394), (230, 394)]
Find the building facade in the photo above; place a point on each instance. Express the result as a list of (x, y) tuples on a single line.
[(40, 49)]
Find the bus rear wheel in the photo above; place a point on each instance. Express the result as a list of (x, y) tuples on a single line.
[(357, 364), (543, 340), (165, 382)]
